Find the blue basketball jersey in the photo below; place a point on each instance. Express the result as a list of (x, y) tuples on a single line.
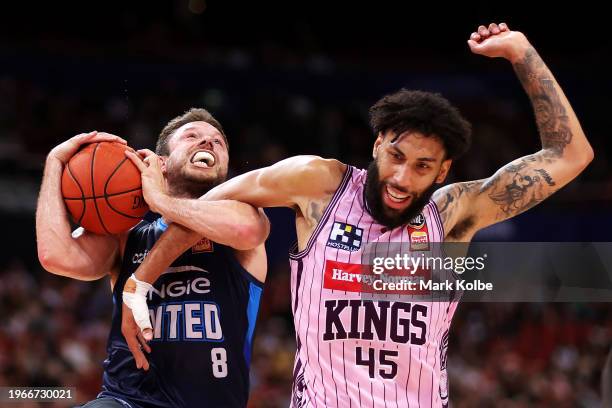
[(203, 310)]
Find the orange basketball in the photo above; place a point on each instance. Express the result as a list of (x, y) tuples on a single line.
[(102, 189)]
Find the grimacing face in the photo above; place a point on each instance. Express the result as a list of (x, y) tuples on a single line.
[(403, 175), (198, 159)]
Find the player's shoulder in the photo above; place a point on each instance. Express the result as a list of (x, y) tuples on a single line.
[(456, 206), (307, 177), (318, 169), (309, 162)]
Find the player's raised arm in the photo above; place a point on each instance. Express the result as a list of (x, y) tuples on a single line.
[(527, 181), (79, 255)]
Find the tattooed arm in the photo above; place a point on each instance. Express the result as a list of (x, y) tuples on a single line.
[(467, 207)]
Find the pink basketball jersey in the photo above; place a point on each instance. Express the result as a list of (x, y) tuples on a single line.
[(351, 351)]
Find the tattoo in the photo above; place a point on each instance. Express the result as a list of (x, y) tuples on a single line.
[(448, 205), (513, 198), (519, 186), (550, 113), (516, 187), (525, 182), (546, 176)]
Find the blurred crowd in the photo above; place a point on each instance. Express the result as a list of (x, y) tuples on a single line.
[(278, 97), (511, 355)]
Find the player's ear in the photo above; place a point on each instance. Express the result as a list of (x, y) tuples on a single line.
[(377, 144), (446, 165), (163, 166)]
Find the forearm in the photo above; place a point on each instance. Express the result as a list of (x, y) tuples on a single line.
[(227, 222), (82, 255), (174, 241), (526, 181), (53, 232), (560, 131)]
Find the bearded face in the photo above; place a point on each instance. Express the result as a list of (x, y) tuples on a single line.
[(198, 160), (375, 191), (403, 176)]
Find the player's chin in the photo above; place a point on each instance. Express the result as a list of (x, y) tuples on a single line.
[(194, 171), (204, 178), (391, 213), (208, 177)]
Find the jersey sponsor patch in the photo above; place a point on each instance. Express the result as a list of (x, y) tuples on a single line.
[(203, 245), (419, 234), (361, 278), (345, 236), (419, 241)]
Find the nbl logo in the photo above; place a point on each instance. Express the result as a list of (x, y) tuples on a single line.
[(419, 233), (345, 236), (417, 222)]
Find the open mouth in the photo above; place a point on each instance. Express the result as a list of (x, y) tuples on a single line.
[(203, 159), (395, 195)]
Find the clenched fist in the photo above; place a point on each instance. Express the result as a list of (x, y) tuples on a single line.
[(498, 41)]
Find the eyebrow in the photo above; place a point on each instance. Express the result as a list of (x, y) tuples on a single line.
[(426, 159), (187, 129), (398, 150), (220, 136)]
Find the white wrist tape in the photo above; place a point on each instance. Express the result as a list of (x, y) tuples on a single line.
[(137, 302)]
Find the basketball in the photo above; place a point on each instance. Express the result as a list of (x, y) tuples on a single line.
[(102, 189)]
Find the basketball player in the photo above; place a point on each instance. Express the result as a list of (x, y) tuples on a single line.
[(352, 352), (204, 306)]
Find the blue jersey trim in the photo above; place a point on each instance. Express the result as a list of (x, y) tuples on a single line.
[(162, 224), (252, 310)]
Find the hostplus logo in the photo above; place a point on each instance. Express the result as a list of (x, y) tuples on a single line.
[(345, 236)]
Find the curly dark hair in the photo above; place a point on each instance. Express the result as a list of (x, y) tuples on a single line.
[(428, 113), (192, 115)]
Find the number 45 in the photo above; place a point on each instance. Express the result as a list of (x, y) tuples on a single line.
[(388, 368)]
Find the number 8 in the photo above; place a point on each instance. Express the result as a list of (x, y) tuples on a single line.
[(219, 360)]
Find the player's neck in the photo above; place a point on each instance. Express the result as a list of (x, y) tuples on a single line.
[(180, 186), (189, 190), (182, 193)]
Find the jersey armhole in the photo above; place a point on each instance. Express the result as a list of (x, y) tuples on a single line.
[(294, 254), (130, 239), (229, 252), (437, 215)]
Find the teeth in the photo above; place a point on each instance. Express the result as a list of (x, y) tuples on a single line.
[(395, 197), (203, 158)]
